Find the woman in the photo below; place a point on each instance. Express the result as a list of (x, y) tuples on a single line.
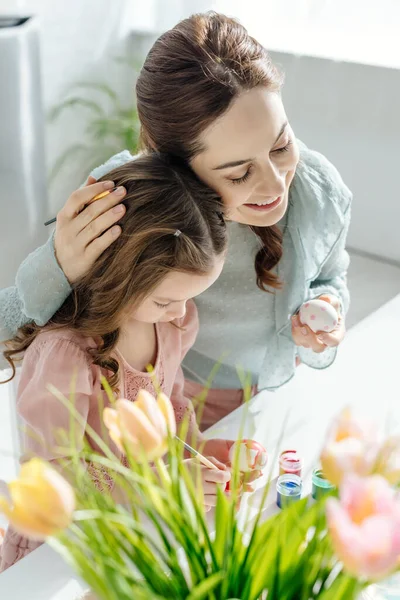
[(208, 93)]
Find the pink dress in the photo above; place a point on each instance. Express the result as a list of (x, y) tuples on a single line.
[(57, 357)]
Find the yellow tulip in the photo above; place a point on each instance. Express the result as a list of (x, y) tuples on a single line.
[(350, 448), (142, 426), (41, 502)]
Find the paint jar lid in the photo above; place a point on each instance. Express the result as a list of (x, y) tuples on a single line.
[(289, 485), (290, 460), (319, 480)]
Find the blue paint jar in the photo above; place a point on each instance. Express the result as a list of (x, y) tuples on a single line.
[(288, 489), (320, 485)]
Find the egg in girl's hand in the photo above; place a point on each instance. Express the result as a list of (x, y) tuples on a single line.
[(249, 454), (319, 316)]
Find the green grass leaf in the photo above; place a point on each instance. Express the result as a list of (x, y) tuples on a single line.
[(344, 587), (208, 585)]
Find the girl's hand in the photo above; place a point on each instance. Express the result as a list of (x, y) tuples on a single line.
[(82, 235), (217, 448), (210, 479), (244, 482), (319, 342)]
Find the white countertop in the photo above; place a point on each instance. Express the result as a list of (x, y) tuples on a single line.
[(366, 373)]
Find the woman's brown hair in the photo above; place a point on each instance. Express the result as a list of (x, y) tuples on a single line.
[(162, 197), (190, 77)]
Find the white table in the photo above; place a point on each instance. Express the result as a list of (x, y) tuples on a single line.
[(366, 374)]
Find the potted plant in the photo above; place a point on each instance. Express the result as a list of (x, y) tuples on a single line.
[(111, 125), (156, 541)]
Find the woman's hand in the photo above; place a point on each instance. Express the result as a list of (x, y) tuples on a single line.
[(82, 235), (319, 342), (210, 479)]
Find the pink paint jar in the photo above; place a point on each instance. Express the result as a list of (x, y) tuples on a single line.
[(291, 462)]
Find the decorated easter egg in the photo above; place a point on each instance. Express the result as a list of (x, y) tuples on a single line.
[(249, 455), (319, 316)]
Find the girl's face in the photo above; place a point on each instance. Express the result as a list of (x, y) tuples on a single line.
[(168, 300), (250, 157)]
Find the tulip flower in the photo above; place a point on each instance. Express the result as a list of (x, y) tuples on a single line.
[(40, 503), (388, 461), (142, 426), (350, 448), (365, 526)]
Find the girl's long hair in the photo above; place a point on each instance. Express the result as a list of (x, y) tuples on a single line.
[(162, 197)]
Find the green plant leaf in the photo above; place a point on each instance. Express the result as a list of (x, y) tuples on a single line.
[(222, 522), (208, 585), (121, 556), (133, 63), (98, 87), (70, 152), (110, 128), (343, 588), (74, 102)]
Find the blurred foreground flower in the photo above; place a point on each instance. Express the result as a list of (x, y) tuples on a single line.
[(41, 501), (388, 461), (142, 426), (351, 447), (365, 526)]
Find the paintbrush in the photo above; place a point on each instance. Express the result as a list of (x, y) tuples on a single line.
[(90, 202), (204, 461)]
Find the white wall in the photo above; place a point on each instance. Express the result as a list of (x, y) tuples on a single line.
[(362, 31), (78, 39), (344, 102), (345, 109), (341, 106), (350, 113)]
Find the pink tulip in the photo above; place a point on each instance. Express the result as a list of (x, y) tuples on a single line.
[(351, 447), (141, 426), (365, 526)]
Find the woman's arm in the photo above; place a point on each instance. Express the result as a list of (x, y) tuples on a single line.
[(322, 206), (41, 288), (45, 277), (331, 281)]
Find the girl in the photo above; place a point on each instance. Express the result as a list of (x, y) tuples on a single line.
[(131, 309), (210, 94)]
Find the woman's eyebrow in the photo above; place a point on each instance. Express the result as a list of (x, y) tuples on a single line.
[(166, 300), (243, 161), (233, 163)]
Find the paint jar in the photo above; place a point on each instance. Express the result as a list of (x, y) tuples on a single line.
[(288, 489), (291, 462), (320, 485)]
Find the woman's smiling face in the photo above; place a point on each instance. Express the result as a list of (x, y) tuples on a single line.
[(249, 157)]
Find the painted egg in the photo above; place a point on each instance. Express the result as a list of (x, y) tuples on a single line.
[(249, 456), (319, 316)]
